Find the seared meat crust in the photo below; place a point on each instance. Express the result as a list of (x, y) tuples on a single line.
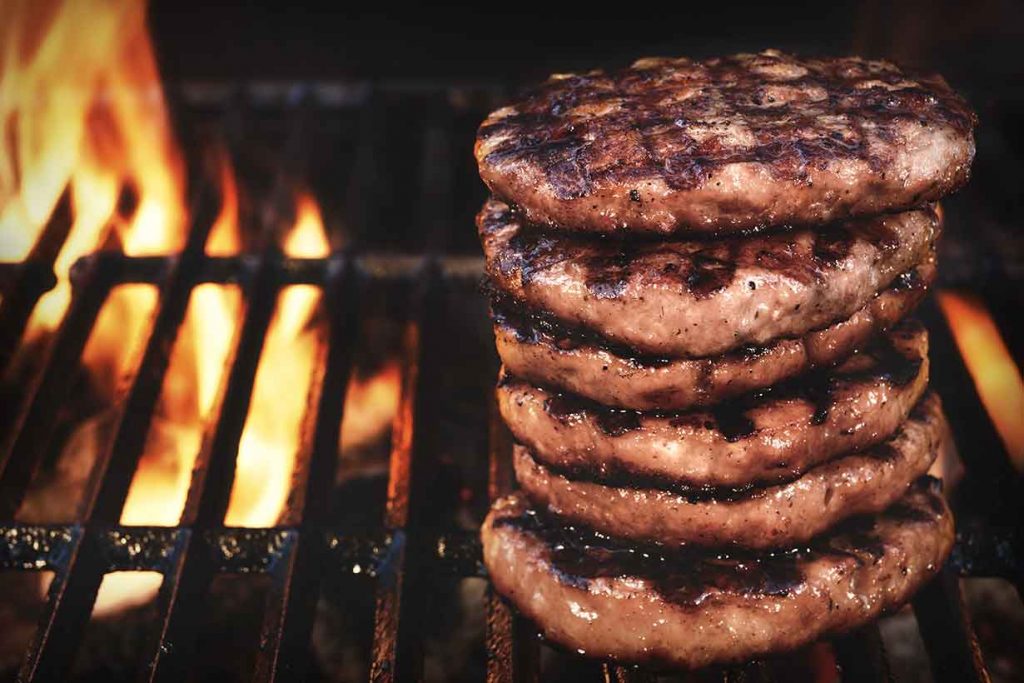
[(689, 609), (543, 352), (767, 437), (777, 516), (698, 298), (730, 144)]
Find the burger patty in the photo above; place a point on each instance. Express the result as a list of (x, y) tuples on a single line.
[(686, 608), (698, 298), (546, 353), (771, 517), (770, 436), (725, 145)]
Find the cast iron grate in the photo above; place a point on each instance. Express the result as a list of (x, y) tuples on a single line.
[(305, 550)]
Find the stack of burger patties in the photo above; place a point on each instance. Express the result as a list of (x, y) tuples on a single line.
[(701, 277)]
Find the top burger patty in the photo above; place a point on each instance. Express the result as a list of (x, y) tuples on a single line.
[(729, 144), (694, 298)]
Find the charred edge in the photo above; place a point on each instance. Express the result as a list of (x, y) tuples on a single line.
[(544, 131)]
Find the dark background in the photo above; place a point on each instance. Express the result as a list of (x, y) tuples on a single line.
[(494, 41)]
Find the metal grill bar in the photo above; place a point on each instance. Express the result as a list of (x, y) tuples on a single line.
[(512, 650), (397, 651), (34, 427), (947, 632), (862, 657), (210, 488), (67, 612), (289, 621), (30, 279)]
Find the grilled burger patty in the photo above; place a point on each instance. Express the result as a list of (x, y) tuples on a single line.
[(698, 298), (771, 517), (689, 609), (546, 353), (767, 437), (730, 144)]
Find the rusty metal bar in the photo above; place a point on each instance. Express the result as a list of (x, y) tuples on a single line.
[(67, 611), (186, 582), (626, 674), (284, 643), (32, 278), (513, 653), (24, 447), (397, 652), (861, 655), (947, 632)]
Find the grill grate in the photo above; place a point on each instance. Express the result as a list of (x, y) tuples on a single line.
[(306, 551)]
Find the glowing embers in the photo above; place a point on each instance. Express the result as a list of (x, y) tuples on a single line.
[(988, 360)]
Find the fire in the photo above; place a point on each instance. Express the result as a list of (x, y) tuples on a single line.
[(270, 439), (83, 115), (370, 405), (99, 131), (995, 374)]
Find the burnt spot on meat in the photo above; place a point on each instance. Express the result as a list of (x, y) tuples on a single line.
[(615, 422), (682, 576), (607, 274), (533, 326), (732, 421), (856, 539), (891, 364), (618, 475), (773, 576), (924, 507), (567, 408), (529, 252), (564, 408), (877, 233), (650, 121), (690, 575), (832, 245), (909, 281), (709, 274), (819, 389), (787, 259)]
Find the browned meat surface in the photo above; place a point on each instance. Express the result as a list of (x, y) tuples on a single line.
[(730, 144), (777, 516), (686, 609), (766, 437), (698, 298), (545, 353)]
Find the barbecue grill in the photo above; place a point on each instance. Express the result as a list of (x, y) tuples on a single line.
[(425, 538)]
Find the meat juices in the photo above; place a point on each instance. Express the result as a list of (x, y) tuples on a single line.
[(701, 276)]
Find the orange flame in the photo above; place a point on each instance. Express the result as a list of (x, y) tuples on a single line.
[(370, 405), (83, 113), (988, 360), (99, 130), (270, 439)]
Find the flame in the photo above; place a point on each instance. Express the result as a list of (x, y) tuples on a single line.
[(988, 360), (225, 238), (83, 115), (271, 437), (370, 405), (99, 130), (123, 590)]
